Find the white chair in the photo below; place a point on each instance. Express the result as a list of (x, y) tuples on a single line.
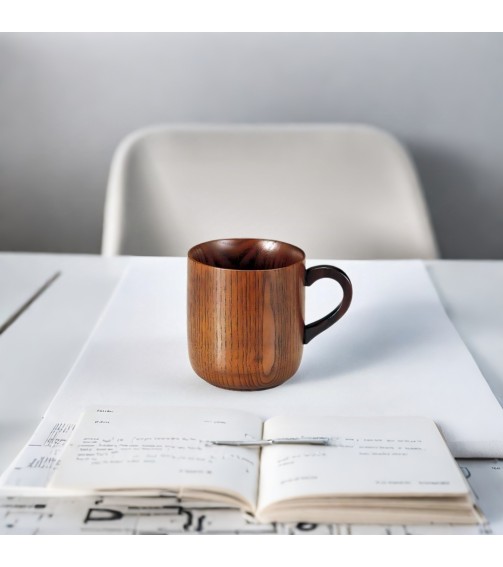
[(337, 191)]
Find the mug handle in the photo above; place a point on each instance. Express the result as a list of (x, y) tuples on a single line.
[(317, 273)]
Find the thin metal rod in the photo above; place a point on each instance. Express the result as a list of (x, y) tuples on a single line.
[(280, 441)]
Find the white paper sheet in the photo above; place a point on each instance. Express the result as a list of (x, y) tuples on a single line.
[(394, 353)]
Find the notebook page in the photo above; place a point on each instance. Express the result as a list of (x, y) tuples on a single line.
[(374, 456), (138, 448)]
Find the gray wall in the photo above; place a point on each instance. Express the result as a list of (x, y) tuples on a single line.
[(67, 99)]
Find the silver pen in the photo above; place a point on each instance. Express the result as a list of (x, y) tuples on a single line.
[(278, 441)]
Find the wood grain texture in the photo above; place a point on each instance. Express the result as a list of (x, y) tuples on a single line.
[(245, 321)]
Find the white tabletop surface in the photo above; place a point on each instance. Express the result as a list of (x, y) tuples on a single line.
[(39, 348)]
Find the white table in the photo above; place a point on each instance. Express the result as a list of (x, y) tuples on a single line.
[(41, 343)]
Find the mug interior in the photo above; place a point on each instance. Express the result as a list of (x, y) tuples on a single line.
[(246, 254)]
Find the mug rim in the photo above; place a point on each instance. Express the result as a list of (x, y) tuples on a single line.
[(254, 240)]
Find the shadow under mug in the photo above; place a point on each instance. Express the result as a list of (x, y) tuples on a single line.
[(245, 298)]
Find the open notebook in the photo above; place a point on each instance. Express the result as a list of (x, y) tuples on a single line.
[(374, 469)]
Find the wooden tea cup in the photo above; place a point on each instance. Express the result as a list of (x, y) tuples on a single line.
[(245, 312)]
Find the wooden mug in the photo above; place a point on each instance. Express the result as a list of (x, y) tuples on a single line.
[(246, 311)]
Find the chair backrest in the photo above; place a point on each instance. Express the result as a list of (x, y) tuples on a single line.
[(337, 191)]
